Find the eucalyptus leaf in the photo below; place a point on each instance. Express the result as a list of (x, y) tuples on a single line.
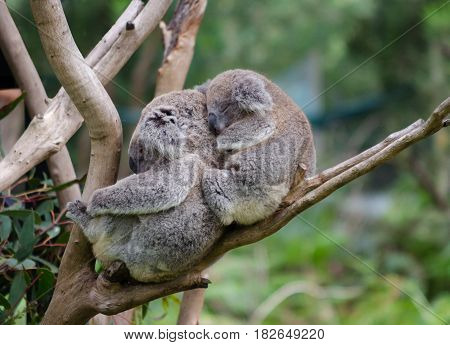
[(52, 267), (45, 282), (4, 302), (21, 214), (5, 227), (26, 264), (98, 266), (27, 238), (7, 109), (55, 231), (18, 287), (67, 184), (45, 207)]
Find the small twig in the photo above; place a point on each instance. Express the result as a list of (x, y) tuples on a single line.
[(301, 287)]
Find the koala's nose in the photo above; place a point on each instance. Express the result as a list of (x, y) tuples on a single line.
[(133, 165), (215, 124)]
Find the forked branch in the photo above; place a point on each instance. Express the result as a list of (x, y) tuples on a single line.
[(47, 133), (13, 48)]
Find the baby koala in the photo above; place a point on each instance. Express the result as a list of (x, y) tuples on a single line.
[(157, 221), (267, 143)]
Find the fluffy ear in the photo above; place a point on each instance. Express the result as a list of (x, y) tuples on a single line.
[(251, 95), (203, 87)]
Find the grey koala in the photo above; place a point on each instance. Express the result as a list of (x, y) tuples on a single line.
[(267, 144), (157, 221)]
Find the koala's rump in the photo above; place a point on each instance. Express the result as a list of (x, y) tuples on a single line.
[(161, 246)]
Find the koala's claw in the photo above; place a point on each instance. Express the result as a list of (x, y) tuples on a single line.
[(165, 114), (77, 211), (76, 208)]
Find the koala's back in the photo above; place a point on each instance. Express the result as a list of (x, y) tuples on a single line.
[(290, 149), (293, 127), (163, 245)]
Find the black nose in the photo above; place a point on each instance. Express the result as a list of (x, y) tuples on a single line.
[(133, 165), (215, 125)]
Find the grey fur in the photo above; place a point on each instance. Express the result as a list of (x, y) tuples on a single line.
[(157, 221), (266, 140)]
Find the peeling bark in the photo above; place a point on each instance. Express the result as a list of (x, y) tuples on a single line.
[(60, 165), (48, 132)]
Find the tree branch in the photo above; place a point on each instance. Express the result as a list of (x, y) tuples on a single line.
[(60, 165), (47, 133), (86, 92), (100, 114), (179, 41)]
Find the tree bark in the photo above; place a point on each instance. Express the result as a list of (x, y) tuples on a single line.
[(19, 61), (47, 133), (179, 41), (105, 131)]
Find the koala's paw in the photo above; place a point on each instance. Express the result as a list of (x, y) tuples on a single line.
[(164, 114), (215, 192), (77, 211)]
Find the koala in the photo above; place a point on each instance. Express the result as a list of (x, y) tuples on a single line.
[(156, 221), (266, 141)]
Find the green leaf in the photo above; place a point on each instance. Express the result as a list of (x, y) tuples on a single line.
[(26, 264), (98, 266), (27, 239), (17, 289), (5, 227), (45, 207), (45, 283), (21, 214), (20, 314), (4, 302), (67, 184), (52, 267), (55, 231), (7, 109)]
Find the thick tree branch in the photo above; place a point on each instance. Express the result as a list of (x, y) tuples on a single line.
[(47, 133), (112, 298), (86, 92), (99, 112), (60, 165), (179, 41)]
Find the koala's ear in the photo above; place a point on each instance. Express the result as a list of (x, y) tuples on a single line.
[(251, 95), (203, 87)]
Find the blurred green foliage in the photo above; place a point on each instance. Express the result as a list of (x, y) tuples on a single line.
[(349, 259), (31, 244)]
